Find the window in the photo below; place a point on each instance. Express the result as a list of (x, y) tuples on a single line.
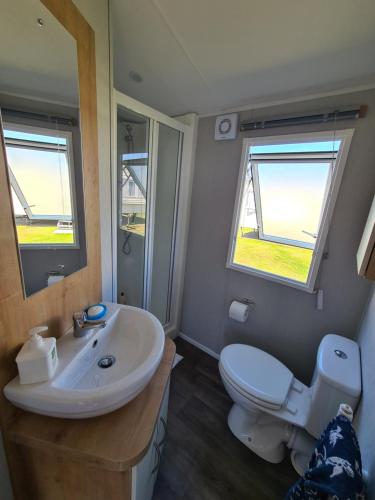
[(41, 177), (285, 197), (133, 176)]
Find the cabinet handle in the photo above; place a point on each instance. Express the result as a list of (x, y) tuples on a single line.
[(165, 431), (156, 446)]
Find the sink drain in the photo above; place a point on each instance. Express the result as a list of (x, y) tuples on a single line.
[(106, 361)]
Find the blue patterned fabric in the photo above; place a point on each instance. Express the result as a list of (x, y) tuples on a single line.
[(335, 468)]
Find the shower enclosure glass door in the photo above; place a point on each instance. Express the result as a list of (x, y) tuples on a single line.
[(166, 198), (147, 175), (132, 174)]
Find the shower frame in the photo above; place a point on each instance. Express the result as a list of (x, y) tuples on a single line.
[(186, 125)]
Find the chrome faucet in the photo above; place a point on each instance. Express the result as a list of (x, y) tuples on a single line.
[(82, 326)]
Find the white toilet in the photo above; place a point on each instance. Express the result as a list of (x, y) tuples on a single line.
[(273, 411)]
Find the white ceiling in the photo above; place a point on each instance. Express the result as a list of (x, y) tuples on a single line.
[(212, 55), (36, 62)]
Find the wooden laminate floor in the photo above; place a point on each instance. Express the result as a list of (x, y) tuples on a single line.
[(202, 460)]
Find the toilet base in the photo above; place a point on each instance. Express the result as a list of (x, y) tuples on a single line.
[(270, 437), (302, 446), (299, 461), (263, 434)]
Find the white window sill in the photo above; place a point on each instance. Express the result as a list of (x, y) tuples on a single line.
[(271, 277)]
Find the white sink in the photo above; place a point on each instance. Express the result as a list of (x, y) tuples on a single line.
[(80, 388)]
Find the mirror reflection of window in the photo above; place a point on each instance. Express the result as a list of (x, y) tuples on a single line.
[(40, 163)]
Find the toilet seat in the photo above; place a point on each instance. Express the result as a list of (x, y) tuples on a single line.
[(257, 375), (262, 405)]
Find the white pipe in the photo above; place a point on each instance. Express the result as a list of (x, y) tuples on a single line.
[(346, 411), (301, 442)]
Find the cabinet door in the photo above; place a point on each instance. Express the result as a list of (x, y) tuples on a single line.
[(162, 420), (145, 473), (143, 479)]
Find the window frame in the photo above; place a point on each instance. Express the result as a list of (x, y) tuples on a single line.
[(345, 136), (68, 136)]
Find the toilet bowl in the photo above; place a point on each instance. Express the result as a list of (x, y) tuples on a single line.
[(273, 411)]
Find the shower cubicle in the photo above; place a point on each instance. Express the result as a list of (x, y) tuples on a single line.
[(151, 184)]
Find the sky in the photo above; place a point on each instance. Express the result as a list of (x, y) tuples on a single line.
[(301, 147), (291, 194), (43, 178), (49, 139), (42, 175)]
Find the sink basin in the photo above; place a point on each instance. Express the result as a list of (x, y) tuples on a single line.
[(99, 373)]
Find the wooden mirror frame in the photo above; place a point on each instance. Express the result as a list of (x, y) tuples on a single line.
[(52, 306)]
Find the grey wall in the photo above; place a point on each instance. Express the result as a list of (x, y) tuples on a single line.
[(364, 421), (284, 320), (37, 263)]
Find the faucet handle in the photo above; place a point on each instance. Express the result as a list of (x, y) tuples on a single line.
[(80, 318)]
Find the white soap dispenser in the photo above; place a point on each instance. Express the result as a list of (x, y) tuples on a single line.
[(37, 360)]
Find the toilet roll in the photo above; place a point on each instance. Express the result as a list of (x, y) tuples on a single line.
[(52, 279), (239, 311)]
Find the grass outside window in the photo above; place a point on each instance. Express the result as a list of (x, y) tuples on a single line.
[(42, 235), (288, 261)]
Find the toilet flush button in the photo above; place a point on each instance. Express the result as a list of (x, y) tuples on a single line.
[(297, 386), (291, 408), (340, 354)]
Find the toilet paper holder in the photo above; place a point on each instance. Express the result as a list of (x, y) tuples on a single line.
[(58, 272), (239, 309), (245, 300)]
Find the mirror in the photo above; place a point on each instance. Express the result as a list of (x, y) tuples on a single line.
[(39, 105)]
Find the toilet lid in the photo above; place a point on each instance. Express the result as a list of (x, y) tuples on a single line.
[(257, 373)]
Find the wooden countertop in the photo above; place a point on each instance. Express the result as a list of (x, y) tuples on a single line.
[(115, 441)]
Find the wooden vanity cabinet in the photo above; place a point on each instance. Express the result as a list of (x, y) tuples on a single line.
[(112, 457)]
